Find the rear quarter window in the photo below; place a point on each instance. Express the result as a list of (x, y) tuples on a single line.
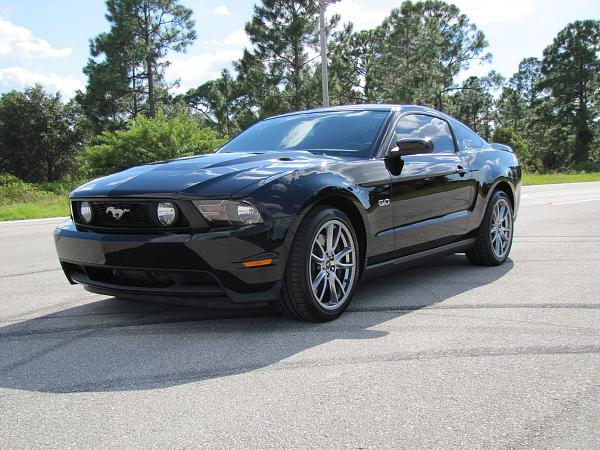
[(467, 139)]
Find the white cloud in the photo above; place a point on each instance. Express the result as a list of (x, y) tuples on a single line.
[(193, 70), (238, 38), (21, 42), (483, 12), (221, 10), (366, 14), (20, 77), (197, 69), (40, 48)]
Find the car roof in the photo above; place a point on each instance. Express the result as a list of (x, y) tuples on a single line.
[(365, 107)]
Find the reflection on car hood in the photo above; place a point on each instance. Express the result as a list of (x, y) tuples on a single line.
[(211, 175)]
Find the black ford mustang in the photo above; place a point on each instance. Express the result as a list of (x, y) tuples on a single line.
[(295, 210)]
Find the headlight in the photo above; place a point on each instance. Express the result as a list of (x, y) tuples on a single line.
[(228, 211), (85, 212), (166, 213)]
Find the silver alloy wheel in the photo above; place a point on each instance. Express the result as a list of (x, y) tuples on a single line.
[(332, 264), (501, 228)]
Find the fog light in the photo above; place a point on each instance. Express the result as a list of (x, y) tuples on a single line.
[(166, 213), (85, 212), (248, 214)]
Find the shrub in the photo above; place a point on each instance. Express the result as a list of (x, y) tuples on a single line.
[(508, 136), (13, 190), (147, 140)]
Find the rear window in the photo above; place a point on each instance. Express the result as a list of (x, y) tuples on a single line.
[(344, 133)]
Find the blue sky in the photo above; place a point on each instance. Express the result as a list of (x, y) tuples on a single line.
[(46, 41)]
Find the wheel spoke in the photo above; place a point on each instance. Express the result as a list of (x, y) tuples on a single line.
[(317, 259), (323, 290), (337, 239), (333, 290), (318, 280), (341, 254), (497, 245), (329, 235), (341, 285)]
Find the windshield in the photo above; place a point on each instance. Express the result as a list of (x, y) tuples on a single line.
[(343, 133)]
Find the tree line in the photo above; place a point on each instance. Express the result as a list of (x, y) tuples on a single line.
[(548, 110)]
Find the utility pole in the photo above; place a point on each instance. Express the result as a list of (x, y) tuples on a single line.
[(324, 75)]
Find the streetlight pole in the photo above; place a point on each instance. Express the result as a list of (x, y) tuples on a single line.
[(324, 74)]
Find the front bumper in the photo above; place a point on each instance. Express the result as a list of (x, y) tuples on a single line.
[(201, 266)]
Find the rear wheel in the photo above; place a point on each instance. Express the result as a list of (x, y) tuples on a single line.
[(323, 267), (495, 234)]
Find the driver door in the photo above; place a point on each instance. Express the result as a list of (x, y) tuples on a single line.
[(432, 194)]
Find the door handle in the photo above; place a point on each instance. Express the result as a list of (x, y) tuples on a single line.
[(461, 170)]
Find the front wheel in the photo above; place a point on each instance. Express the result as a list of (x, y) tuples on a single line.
[(495, 234), (323, 267)]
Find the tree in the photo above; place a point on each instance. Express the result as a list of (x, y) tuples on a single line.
[(352, 59), (115, 88), (421, 48), (473, 102), (126, 68), (571, 74), (217, 101), (40, 136), (520, 96), (147, 140), (282, 32)]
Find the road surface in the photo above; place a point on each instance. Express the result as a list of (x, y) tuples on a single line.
[(442, 355)]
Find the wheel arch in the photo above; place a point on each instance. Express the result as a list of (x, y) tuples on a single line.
[(504, 186), (349, 208), (346, 202)]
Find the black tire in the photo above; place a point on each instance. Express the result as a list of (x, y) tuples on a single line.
[(483, 252), (297, 299)]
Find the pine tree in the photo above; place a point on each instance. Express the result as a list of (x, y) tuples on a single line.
[(126, 68), (571, 70)]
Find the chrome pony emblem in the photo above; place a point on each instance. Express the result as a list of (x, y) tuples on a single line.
[(117, 213)]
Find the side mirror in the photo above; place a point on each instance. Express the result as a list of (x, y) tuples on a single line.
[(413, 146), (405, 147)]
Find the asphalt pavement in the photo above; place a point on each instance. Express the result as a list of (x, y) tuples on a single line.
[(443, 355)]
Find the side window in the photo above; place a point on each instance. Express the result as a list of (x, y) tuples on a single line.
[(425, 127), (466, 138)]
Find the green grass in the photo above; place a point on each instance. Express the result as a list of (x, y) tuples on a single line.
[(556, 178), (50, 205), (20, 200)]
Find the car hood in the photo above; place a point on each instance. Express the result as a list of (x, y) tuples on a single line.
[(211, 175)]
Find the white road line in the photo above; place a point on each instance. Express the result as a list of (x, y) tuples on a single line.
[(576, 201)]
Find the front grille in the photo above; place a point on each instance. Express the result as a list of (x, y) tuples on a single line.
[(120, 214), (134, 214)]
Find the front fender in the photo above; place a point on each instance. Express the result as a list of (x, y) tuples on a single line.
[(295, 194)]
